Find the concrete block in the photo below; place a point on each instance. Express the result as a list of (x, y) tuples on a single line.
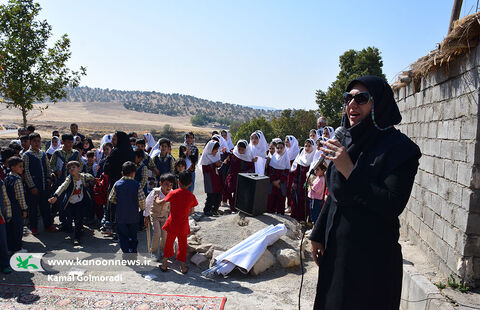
[(442, 131), (429, 113), (438, 226), (460, 243), (448, 109), (418, 99), (461, 106), (432, 130), (437, 112), (468, 129), (450, 170), (436, 205), (428, 216), (454, 129), (460, 219), (464, 174), (466, 196), (417, 290), (452, 259), (436, 94), (472, 147), (441, 248), (450, 235), (426, 162), (459, 151), (438, 167), (446, 149), (447, 211)]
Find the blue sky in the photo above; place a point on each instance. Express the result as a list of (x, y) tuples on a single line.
[(264, 53)]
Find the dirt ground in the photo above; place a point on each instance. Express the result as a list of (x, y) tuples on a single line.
[(96, 116), (276, 288)]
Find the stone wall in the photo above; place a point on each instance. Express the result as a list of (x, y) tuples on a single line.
[(443, 214)]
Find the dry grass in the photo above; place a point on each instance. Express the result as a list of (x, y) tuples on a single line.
[(464, 36)]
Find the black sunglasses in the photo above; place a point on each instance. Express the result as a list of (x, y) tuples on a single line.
[(360, 98)]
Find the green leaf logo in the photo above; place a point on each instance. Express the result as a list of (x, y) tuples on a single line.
[(26, 262)]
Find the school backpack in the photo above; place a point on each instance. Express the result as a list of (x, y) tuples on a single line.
[(100, 190)]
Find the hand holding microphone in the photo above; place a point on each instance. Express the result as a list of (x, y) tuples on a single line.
[(334, 151)]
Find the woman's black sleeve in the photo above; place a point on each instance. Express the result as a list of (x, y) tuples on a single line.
[(387, 198)]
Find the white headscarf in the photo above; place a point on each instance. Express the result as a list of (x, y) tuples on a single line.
[(280, 162), (331, 132), (223, 143), (259, 150), (230, 145), (150, 140), (77, 139), (207, 157), (248, 153), (276, 140), (106, 139), (316, 135), (293, 150), (155, 150), (304, 159), (52, 148)]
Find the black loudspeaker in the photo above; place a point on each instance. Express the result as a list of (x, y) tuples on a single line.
[(252, 193)]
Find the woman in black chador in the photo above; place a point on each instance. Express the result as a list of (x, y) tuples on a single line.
[(355, 239)]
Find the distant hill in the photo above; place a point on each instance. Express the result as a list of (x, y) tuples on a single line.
[(202, 111)]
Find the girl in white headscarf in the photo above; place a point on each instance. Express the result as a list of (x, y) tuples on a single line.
[(313, 135), (258, 144), (54, 145), (225, 153), (291, 145), (210, 162), (149, 141), (240, 162), (328, 133), (278, 170), (226, 135), (300, 169)]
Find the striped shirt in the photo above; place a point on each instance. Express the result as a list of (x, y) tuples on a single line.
[(6, 203), (19, 195), (53, 160)]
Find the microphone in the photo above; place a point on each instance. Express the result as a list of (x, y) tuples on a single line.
[(339, 135)]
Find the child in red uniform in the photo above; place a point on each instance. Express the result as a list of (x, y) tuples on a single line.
[(182, 204), (278, 169)]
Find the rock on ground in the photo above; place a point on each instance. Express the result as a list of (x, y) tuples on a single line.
[(265, 261), (288, 258)]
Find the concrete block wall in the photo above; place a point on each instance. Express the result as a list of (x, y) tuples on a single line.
[(443, 213)]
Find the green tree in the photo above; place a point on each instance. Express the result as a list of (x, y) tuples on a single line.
[(353, 64), (247, 128), (29, 70), (297, 123)]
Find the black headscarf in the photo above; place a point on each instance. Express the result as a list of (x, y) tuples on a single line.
[(385, 111), (120, 154)]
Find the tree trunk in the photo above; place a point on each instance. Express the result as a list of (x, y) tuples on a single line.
[(24, 114)]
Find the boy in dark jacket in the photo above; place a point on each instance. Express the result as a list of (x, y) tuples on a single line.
[(37, 179), (77, 198), (129, 198)]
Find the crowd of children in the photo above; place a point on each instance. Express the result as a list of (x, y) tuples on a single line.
[(129, 183)]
